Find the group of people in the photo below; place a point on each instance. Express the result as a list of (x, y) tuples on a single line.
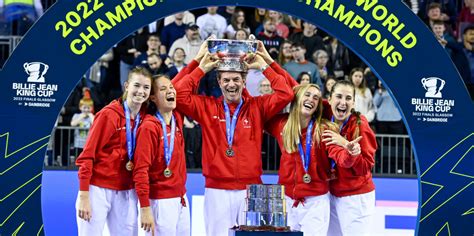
[(134, 155)]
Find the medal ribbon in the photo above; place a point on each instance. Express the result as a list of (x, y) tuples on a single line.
[(305, 157), (333, 163), (169, 147), (131, 137), (230, 125)]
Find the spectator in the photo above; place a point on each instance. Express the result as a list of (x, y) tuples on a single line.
[(463, 57), (20, 14), (237, 22), (439, 30), (300, 64), (320, 57), (270, 38), (211, 24), (173, 31), (83, 121), (178, 62), (371, 79), (226, 12), (338, 58), (294, 23), (363, 96), (466, 16), (241, 34), (434, 12), (264, 87), (309, 38), (252, 83), (281, 29), (285, 54), (190, 43), (153, 47), (128, 50), (155, 65), (98, 71), (188, 18), (330, 81), (256, 22), (389, 120), (446, 12), (303, 78)]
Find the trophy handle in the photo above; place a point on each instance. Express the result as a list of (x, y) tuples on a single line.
[(25, 66), (46, 67), (423, 81), (442, 85)]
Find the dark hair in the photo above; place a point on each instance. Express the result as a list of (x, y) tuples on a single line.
[(266, 20), (243, 30), (281, 57), (353, 111), (326, 93), (438, 22), (153, 36), (243, 74), (343, 83), (233, 20), (363, 84), (434, 5), (152, 109), (154, 54), (300, 77), (469, 27), (298, 44)]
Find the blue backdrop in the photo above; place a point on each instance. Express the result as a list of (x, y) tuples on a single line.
[(62, 45)]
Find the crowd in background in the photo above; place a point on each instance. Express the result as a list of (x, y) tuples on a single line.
[(309, 54)]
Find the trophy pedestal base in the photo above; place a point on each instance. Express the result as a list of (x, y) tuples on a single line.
[(263, 231)]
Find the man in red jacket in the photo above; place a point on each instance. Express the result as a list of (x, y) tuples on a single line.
[(232, 130)]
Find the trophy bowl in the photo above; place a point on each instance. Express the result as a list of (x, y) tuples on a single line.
[(231, 53)]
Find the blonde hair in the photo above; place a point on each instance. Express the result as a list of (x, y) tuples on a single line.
[(292, 128), (87, 102)]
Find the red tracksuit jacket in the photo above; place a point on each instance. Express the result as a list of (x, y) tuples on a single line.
[(102, 162), (150, 162), (354, 174), (245, 167), (291, 166)]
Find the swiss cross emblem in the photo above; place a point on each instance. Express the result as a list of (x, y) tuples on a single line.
[(246, 123)]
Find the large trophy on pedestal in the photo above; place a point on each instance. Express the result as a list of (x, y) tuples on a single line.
[(266, 207)]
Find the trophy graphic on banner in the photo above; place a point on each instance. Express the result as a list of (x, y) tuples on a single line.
[(231, 53), (433, 86), (36, 71)]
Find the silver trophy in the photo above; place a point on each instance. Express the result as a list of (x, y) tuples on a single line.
[(231, 53), (266, 206)]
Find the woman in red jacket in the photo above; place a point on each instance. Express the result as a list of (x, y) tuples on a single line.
[(160, 172), (304, 162), (106, 193), (352, 189)]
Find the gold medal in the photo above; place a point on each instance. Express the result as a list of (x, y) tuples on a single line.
[(129, 166), (167, 172), (306, 178)]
